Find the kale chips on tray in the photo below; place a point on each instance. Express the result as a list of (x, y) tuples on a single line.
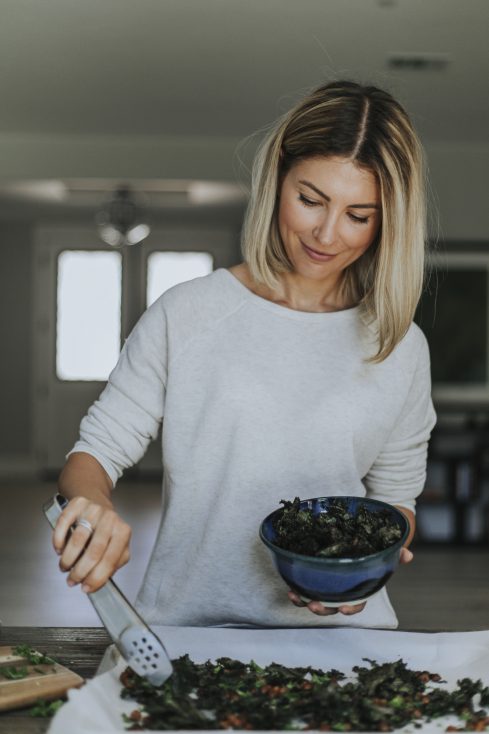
[(229, 694)]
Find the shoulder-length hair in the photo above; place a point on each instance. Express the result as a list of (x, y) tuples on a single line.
[(369, 127)]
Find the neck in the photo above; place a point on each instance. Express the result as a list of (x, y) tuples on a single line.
[(298, 293), (304, 294)]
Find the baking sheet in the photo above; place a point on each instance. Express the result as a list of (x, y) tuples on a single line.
[(98, 708)]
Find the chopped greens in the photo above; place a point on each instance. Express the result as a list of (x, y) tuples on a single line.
[(229, 694), (42, 708), (335, 533), (14, 672), (32, 656), (46, 709)]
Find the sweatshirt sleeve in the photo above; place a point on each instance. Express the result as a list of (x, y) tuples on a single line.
[(398, 474), (119, 426)]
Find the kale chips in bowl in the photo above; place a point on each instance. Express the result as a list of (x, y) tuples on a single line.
[(338, 550)]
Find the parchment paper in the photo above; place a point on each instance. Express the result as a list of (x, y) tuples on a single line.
[(98, 708)]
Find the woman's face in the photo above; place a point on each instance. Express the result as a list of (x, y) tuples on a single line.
[(329, 215)]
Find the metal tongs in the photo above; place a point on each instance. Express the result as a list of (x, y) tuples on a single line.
[(137, 643)]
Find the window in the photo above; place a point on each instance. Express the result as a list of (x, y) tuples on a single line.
[(454, 315), (166, 269), (88, 319)]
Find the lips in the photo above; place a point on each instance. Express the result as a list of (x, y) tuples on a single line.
[(317, 256)]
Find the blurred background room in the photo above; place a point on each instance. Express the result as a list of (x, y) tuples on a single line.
[(126, 134)]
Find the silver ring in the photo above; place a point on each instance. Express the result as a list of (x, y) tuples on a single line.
[(85, 524)]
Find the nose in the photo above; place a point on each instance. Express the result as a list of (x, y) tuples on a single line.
[(325, 231)]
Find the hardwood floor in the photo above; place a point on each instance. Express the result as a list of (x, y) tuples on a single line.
[(443, 588)]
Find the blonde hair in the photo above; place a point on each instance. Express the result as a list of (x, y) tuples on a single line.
[(368, 126)]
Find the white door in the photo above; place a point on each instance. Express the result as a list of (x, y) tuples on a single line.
[(61, 400)]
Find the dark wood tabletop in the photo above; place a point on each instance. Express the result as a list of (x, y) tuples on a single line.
[(78, 648)]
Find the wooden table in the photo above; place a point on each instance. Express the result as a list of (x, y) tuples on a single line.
[(79, 648)]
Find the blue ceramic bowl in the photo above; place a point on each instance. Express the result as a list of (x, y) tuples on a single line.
[(336, 580)]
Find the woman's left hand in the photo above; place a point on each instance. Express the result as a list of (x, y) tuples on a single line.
[(406, 556), (316, 607)]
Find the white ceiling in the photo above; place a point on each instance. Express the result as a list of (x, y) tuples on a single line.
[(162, 93), (228, 67)]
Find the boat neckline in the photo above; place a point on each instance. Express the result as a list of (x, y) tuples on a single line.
[(277, 308)]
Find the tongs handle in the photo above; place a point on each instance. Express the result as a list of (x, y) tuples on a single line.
[(136, 642)]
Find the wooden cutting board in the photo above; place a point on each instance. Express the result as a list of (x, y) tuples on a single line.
[(47, 681)]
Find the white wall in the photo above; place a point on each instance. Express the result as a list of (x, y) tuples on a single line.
[(459, 177)]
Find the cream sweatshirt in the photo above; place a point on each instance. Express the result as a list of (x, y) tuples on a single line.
[(259, 403)]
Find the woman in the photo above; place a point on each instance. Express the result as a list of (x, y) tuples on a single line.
[(297, 372)]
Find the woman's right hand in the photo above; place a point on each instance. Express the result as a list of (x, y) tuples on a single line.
[(91, 557)]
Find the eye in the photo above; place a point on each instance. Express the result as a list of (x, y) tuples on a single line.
[(358, 220), (306, 201)]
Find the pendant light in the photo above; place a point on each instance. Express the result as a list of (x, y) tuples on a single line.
[(120, 221)]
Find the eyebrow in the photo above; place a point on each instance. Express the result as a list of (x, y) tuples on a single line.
[(324, 196)]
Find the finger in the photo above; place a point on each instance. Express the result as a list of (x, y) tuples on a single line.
[(317, 608), (74, 548), (352, 608), (102, 572), (125, 558), (79, 538), (295, 599), (68, 517), (93, 554), (406, 556), (97, 548)]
